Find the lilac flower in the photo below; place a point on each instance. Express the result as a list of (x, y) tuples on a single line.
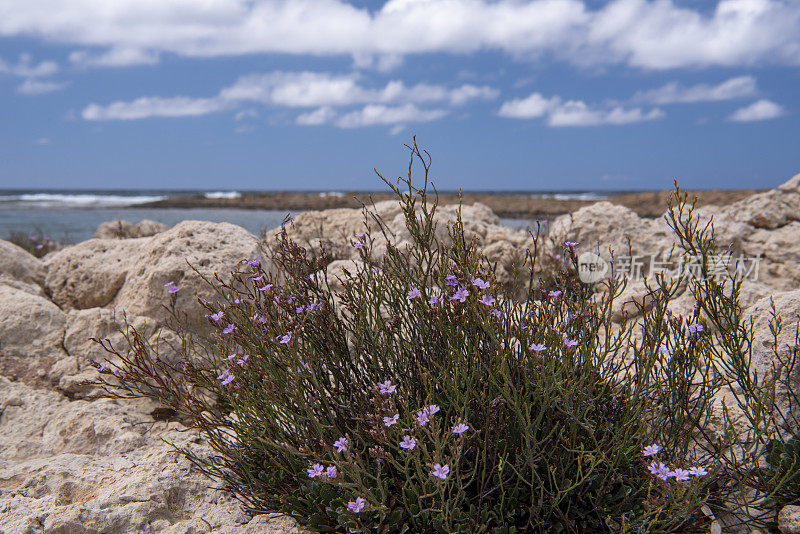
[(360, 235), (254, 263), (389, 421), (358, 246), (116, 372), (216, 316), (695, 328), (357, 505), (258, 278), (315, 471), (285, 339), (663, 472), (681, 475), (414, 293), (331, 472), (440, 471), (460, 428), (263, 319), (300, 309), (572, 245), (226, 377), (488, 300), (698, 471), (460, 295), (228, 329), (651, 450), (408, 443), (451, 280), (538, 347), (478, 282), (431, 409), (303, 366), (496, 313), (386, 388), (434, 300), (555, 293), (231, 357), (171, 288), (423, 417), (243, 360), (570, 342), (341, 444), (265, 287), (656, 467), (102, 366)]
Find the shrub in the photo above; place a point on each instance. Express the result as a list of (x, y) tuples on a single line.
[(419, 397), (34, 242)]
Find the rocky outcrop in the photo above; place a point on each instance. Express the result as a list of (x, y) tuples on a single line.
[(125, 230), (18, 264)]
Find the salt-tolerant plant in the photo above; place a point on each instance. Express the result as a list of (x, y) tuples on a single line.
[(420, 395)]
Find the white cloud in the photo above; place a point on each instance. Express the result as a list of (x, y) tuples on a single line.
[(26, 68), (115, 57), (647, 34), (246, 114), (757, 111), (147, 107), (397, 129), (740, 87), (559, 113), (38, 87), (375, 114), (317, 117)]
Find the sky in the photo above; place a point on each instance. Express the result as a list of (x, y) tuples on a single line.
[(543, 95)]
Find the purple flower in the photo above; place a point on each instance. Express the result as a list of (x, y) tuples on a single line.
[(681, 475), (357, 505), (300, 309), (440, 471), (386, 388), (651, 450), (432, 409), (331, 472), (460, 428), (226, 377), (258, 278), (478, 282), (216, 316), (116, 372), (695, 328), (434, 300), (358, 246), (664, 351), (423, 417), (414, 293), (556, 293), (698, 471), (496, 313), (389, 421), (265, 287), (538, 347), (487, 300), (341, 444), (254, 263), (102, 366), (263, 319), (570, 342), (451, 280), (662, 471), (460, 295), (360, 235), (171, 288), (572, 245), (408, 443), (315, 471), (231, 357), (655, 467), (243, 360), (228, 329), (285, 339)]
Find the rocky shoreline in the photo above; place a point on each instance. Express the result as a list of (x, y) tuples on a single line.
[(71, 463), (512, 206)]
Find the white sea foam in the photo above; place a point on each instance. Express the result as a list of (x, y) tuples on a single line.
[(76, 200), (223, 194)]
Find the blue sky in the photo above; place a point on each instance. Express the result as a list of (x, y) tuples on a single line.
[(312, 94)]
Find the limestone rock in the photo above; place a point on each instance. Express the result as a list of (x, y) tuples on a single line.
[(18, 264), (789, 518), (172, 255), (125, 230), (31, 334), (90, 274)]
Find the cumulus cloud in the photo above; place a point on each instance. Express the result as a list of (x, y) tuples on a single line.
[(39, 87), (376, 114), (317, 117), (26, 67), (115, 57), (574, 112), (147, 107), (757, 111), (640, 33), (671, 93)]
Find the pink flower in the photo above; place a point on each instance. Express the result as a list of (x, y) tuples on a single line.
[(408, 443), (341, 444), (331, 472), (651, 450), (440, 471), (460, 428), (315, 471), (357, 505), (386, 388), (414, 293), (389, 421), (478, 282)]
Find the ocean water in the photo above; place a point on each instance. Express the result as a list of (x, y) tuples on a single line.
[(73, 216)]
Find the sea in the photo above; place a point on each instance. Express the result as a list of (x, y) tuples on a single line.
[(70, 216)]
